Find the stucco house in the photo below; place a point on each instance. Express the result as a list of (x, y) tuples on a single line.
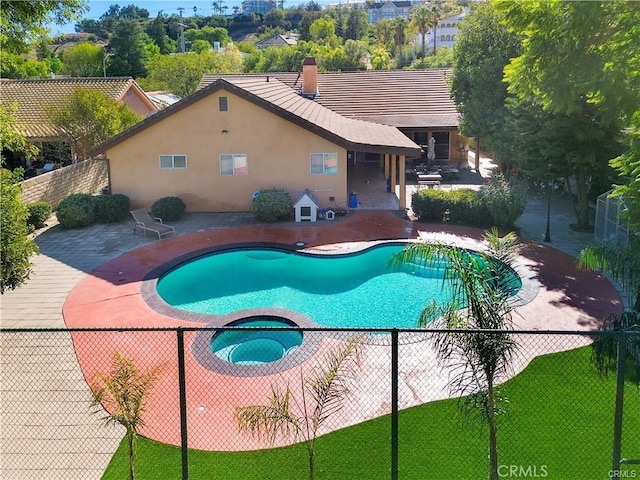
[(416, 102), (34, 98), (239, 134), (445, 32)]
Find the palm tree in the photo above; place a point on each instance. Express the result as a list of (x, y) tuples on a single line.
[(322, 395), (422, 18), (121, 392), (475, 324), (621, 263), (399, 35)]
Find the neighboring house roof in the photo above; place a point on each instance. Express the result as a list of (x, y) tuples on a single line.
[(34, 98), (399, 98), (278, 41), (163, 99), (397, 4), (276, 97)]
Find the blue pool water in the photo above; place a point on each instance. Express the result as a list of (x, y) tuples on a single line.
[(246, 347), (358, 290)]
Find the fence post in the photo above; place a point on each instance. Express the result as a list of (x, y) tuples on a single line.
[(617, 418), (183, 405), (394, 404)]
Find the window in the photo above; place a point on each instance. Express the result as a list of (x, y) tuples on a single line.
[(324, 163), (223, 104), (234, 164), (173, 161)]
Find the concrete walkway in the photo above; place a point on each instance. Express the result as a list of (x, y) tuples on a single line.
[(30, 449)]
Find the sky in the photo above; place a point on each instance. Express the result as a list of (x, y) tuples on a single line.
[(98, 7)]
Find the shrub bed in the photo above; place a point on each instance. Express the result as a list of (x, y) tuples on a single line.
[(38, 213), (462, 206), (111, 208), (272, 205), (169, 209), (76, 210)]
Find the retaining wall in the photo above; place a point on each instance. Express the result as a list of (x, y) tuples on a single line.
[(89, 176)]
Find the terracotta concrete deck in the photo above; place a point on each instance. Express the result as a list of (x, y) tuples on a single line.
[(567, 299)]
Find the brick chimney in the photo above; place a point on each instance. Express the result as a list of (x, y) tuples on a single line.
[(309, 77)]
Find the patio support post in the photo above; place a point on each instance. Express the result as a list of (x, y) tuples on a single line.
[(182, 385), (387, 158), (394, 404), (402, 201), (394, 164)]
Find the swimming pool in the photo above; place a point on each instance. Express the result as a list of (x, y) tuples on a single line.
[(355, 290)]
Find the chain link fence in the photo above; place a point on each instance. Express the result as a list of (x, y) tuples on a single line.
[(371, 404)]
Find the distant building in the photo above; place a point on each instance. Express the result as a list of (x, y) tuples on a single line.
[(257, 6), (445, 32), (388, 10)]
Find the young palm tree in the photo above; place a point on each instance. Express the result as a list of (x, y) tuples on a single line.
[(323, 394), (622, 264), (619, 262), (121, 392), (422, 18), (479, 301)]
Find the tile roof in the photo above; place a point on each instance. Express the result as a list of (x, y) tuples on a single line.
[(400, 98), (277, 97), (35, 96)]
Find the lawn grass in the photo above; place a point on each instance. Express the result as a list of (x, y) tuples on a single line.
[(558, 426)]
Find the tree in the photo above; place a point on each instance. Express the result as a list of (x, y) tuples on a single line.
[(11, 138), (89, 118), (323, 394), (384, 32), (83, 60), (422, 18), (589, 71), (479, 301), (628, 166), (157, 31), (23, 22), (399, 34), (127, 49), (483, 48), (323, 31), (357, 24), (16, 247), (121, 392), (180, 74)]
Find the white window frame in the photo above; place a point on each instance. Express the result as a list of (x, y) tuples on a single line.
[(325, 169), (172, 158), (234, 166)]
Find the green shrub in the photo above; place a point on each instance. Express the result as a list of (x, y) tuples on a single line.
[(76, 210), (505, 199), (111, 208), (38, 212), (16, 246), (169, 209), (460, 206), (272, 205)]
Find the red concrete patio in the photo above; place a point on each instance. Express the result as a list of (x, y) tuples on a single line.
[(567, 299)]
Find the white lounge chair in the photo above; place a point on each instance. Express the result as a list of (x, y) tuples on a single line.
[(146, 222)]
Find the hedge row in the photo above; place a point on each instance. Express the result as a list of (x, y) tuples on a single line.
[(82, 210), (499, 203)]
